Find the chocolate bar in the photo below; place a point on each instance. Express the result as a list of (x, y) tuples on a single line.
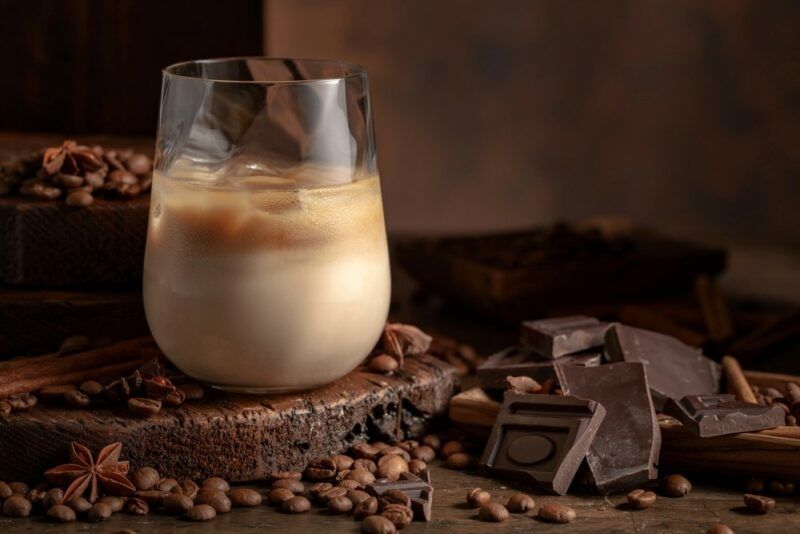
[(625, 450), (674, 369), (542, 439), (557, 337), (419, 490), (717, 415), (516, 361)]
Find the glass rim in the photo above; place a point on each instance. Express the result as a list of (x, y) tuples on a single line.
[(357, 71)]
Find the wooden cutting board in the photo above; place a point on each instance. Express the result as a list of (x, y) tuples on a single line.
[(238, 437)]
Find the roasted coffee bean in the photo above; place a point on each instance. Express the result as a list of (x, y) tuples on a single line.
[(417, 467), (321, 469), (451, 447), (376, 524), (188, 487), (319, 488), (285, 475), (357, 496), (154, 498), (145, 478), (340, 505), (782, 488), (295, 486), (216, 483), (5, 408), (244, 497), (121, 177), (719, 528), (341, 475), (214, 498), (77, 399), (342, 462), (477, 497), (494, 512), (675, 486), (52, 497), (79, 504), (553, 512), (23, 401), (19, 487), (178, 504), (362, 477), (79, 199), (175, 398), (201, 512), (134, 506), (61, 513), (279, 495), (98, 512), (460, 460), (393, 496), (640, 499), (144, 406), (401, 516), (116, 503), (384, 364), (519, 503), (791, 420), (138, 164), (192, 391), (17, 506), (408, 445), (394, 451), (432, 441), (54, 393), (332, 493), (93, 388), (350, 484), (364, 450), (166, 484), (424, 453), (5, 491), (366, 507), (391, 467), (758, 503), (756, 485), (296, 505), (364, 465)]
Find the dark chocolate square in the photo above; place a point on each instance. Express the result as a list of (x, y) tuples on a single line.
[(559, 336), (517, 361), (718, 415)]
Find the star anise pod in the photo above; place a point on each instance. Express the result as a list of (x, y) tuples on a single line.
[(83, 473), (400, 340), (71, 158)]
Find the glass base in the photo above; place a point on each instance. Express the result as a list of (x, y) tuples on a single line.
[(260, 391)]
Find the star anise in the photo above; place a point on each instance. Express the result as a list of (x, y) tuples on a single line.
[(83, 473), (148, 380), (71, 158), (400, 340)]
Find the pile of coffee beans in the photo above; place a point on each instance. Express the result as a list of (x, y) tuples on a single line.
[(789, 400)]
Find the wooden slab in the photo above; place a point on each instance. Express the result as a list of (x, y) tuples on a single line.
[(239, 437)]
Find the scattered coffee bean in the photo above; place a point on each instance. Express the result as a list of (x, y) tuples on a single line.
[(477, 497), (138, 164), (357, 496), (98, 512), (145, 478), (460, 460), (279, 495), (319, 488), (401, 516), (166, 484), (52, 498), (77, 399), (332, 493), (758, 503), (362, 464), (201, 512), (79, 199), (93, 388), (424, 453), (244, 497), (342, 462), (340, 505), (408, 445), (494, 512), (393, 496), (364, 450), (394, 451), (362, 477), (321, 469), (756, 485), (214, 498), (61, 513), (19, 487), (216, 483), (192, 391), (188, 487), (5, 491), (451, 447), (285, 475), (295, 486), (17, 506), (376, 524), (21, 402), (79, 504), (719, 528), (134, 506), (432, 441), (350, 484), (781, 487), (177, 504), (640, 499), (384, 364), (417, 467), (519, 503), (296, 505), (391, 467), (144, 406), (5, 408), (341, 475), (556, 513), (366, 507), (114, 502), (675, 486)]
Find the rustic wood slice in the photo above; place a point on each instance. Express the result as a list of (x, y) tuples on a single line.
[(238, 437)]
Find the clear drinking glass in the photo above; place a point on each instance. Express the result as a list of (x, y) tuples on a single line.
[(267, 268)]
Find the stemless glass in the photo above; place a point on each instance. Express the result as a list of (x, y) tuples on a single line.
[(267, 268)]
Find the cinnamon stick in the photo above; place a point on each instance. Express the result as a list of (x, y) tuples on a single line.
[(736, 381), (782, 432)]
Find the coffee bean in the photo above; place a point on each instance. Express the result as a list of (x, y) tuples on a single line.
[(285, 475), (719, 528), (553, 512), (244, 497), (341, 475), (675, 486), (319, 488), (214, 498), (362, 477), (417, 467), (357, 496), (340, 505), (432, 441), (401, 516), (460, 460), (493, 511), (54, 393), (52, 498), (424, 453), (364, 450), (350, 484), (166, 484), (178, 504), (756, 485), (114, 502), (79, 504), (77, 399), (17, 506), (320, 469), (154, 498), (295, 486), (122, 177), (393, 496), (477, 497), (5, 491), (366, 507), (296, 505), (188, 487), (781, 487), (175, 398), (19, 487), (394, 451), (391, 467), (384, 364), (145, 478), (216, 483), (791, 420), (99, 512), (36, 495), (79, 199), (408, 445), (5, 408), (61, 513), (279, 495), (144, 406), (192, 391), (376, 524), (342, 462), (135, 506), (362, 464), (93, 388), (23, 401), (138, 164), (451, 447), (758, 503), (640, 499), (201, 512), (519, 503), (332, 493)]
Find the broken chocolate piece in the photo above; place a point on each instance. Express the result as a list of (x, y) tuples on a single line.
[(418, 489), (674, 369), (557, 337), (516, 361), (542, 439), (625, 450), (717, 415)]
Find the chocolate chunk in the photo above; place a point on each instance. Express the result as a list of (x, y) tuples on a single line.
[(516, 361), (674, 369), (717, 415), (418, 489), (542, 439), (625, 450), (557, 337)]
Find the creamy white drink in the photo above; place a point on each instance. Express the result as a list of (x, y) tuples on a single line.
[(257, 284)]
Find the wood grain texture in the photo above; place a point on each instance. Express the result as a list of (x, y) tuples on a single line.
[(238, 437)]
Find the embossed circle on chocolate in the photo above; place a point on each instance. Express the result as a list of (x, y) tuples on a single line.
[(530, 449)]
